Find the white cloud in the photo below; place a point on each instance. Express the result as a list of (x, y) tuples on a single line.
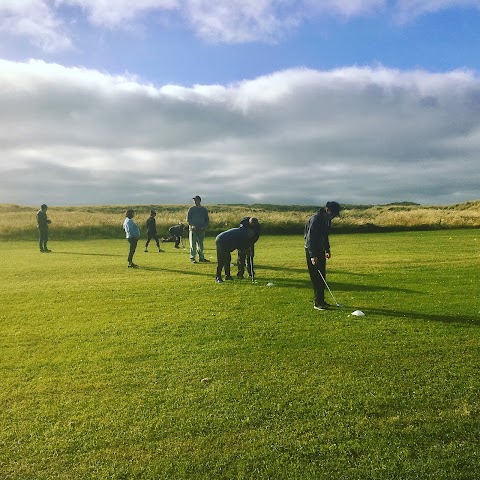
[(35, 20), (363, 135), (406, 10), (46, 23), (115, 13)]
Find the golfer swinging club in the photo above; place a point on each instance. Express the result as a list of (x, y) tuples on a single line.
[(317, 249)]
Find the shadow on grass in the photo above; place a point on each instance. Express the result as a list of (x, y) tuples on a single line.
[(337, 286), (304, 270), (210, 273), (281, 282), (89, 254), (447, 318)]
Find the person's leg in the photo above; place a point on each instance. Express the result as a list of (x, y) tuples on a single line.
[(157, 241), (228, 261), (250, 266), (177, 241), (45, 241), (220, 261), (242, 254), (317, 282), (192, 237), (149, 237), (133, 247), (41, 240), (200, 238)]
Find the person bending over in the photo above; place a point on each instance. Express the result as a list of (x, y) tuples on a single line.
[(240, 238)]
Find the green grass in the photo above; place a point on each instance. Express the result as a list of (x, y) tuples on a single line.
[(159, 373)]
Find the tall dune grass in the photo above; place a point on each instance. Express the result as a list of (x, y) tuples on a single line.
[(105, 221)]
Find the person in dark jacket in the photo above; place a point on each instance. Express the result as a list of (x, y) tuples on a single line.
[(177, 232), (317, 249), (152, 231), (43, 222), (240, 238), (243, 256)]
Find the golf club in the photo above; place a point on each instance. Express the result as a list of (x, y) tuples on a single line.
[(326, 284)]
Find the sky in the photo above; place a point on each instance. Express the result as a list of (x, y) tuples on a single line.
[(289, 102)]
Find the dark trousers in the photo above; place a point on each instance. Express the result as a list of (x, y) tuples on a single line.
[(248, 259), (133, 246), (43, 239), (177, 241), (317, 282), (154, 236), (224, 257)]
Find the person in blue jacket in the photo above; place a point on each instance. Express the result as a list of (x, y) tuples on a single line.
[(240, 238), (317, 250), (245, 256)]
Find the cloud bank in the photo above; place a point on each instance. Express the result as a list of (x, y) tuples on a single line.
[(358, 135), (47, 23)]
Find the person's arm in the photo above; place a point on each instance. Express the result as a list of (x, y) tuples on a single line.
[(319, 244), (190, 218), (135, 230), (207, 220)]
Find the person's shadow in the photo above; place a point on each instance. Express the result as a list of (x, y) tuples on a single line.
[(90, 254)]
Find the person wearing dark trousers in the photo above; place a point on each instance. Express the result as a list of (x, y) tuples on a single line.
[(133, 234), (242, 255), (43, 222), (317, 249), (152, 231), (177, 232), (240, 238)]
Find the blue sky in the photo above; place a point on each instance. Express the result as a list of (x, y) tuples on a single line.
[(154, 101)]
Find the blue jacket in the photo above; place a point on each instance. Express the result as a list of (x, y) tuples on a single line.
[(316, 233), (151, 225), (234, 239), (131, 228)]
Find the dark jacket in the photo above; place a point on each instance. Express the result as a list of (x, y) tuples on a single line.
[(316, 233), (151, 226), (42, 220), (177, 230), (244, 222), (234, 239)]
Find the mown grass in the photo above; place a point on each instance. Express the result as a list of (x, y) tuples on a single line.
[(97, 222), (109, 372)]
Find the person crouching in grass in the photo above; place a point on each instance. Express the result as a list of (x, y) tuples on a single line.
[(133, 234)]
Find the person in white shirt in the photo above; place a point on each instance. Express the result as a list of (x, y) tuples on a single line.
[(133, 234)]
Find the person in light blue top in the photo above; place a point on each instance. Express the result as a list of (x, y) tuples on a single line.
[(133, 234)]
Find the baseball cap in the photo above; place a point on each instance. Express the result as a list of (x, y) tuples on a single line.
[(334, 207), (197, 197)]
